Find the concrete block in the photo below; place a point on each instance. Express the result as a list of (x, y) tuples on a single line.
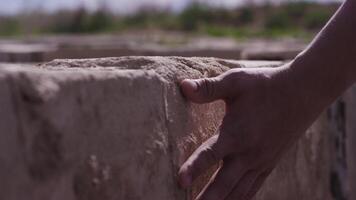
[(272, 50), (119, 128)]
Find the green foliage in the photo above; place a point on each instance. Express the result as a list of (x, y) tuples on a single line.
[(278, 20), (9, 26), (297, 10), (317, 19), (138, 19), (245, 32), (294, 19), (81, 22), (149, 19), (99, 21), (193, 16), (301, 15), (246, 16)]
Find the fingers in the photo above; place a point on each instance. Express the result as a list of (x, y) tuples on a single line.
[(204, 90), (243, 186), (208, 154), (223, 182), (248, 186), (256, 186)]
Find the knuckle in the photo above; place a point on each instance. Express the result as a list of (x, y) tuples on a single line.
[(235, 75), (211, 154), (244, 79), (233, 135), (208, 86), (252, 191)]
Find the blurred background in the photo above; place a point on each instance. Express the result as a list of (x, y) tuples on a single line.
[(42, 30)]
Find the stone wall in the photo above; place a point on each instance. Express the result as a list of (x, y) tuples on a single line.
[(119, 128)]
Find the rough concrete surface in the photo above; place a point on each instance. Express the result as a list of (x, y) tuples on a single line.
[(119, 128)]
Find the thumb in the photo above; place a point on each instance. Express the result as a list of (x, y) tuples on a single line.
[(203, 90)]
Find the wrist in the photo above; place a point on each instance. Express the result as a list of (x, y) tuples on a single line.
[(316, 82)]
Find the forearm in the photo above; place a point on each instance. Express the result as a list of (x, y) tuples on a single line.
[(328, 66)]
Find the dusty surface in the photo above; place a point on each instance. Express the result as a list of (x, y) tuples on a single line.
[(118, 128)]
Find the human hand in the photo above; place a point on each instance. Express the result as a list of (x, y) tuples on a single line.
[(266, 112)]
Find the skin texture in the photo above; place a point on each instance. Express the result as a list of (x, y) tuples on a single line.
[(269, 109)]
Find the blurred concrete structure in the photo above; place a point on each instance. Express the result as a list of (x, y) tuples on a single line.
[(24, 53), (157, 44), (271, 50), (119, 128)]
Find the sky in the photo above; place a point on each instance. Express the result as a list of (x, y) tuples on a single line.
[(8, 7)]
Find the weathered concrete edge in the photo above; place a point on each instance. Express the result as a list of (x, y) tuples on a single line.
[(29, 74)]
